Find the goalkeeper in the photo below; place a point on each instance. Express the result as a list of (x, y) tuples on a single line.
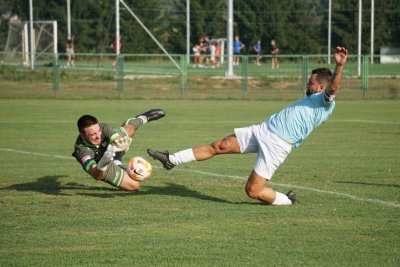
[(273, 139), (99, 148)]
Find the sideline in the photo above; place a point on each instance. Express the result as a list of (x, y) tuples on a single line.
[(339, 194)]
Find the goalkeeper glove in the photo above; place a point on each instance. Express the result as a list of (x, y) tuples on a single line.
[(106, 159), (122, 144)]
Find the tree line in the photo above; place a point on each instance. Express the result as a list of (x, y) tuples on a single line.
[(300, 26)]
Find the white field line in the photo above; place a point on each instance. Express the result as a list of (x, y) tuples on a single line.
[(372, 200), (367, 121), (34, 153), (237, 123), (386, 203)]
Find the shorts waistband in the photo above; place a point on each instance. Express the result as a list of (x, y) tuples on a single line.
[(286, 141)]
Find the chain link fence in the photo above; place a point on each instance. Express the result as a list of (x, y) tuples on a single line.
[(157, 77)]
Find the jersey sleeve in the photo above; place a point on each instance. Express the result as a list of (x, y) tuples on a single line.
[(84, 156), (110, 133)]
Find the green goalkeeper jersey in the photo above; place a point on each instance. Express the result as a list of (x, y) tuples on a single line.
[(87, 154)]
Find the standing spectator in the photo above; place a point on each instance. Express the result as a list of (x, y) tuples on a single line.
[(69, 46), (196, 50), (237, 46), (217, 54), (114, 48), (206, 49), (213, 50), (203, 50), (257, 50), (275, 51)]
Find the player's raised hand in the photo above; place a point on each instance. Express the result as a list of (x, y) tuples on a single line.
[(107, 158), (122, 144), (341, 55)]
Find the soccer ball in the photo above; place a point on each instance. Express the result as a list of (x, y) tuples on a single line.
[(139, 169)]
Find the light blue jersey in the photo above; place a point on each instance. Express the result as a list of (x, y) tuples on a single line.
[(295, 122)]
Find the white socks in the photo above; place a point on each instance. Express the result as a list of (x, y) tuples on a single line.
[(143, 118), (281, 199), (183, 156)]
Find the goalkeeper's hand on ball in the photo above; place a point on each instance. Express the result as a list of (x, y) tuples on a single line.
[(122, 144), (107, 158)]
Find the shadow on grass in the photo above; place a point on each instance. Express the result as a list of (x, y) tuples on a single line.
[(51, 186), (172, 189), (373, 184)]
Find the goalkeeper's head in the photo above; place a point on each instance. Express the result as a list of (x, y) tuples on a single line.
[(89, 129)]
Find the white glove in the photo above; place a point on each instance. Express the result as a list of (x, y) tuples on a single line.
[(122, 144), (107, 158)]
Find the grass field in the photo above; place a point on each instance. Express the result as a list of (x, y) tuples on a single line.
[(346, 175)]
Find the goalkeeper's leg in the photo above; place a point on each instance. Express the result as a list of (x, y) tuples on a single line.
[(129, 184), (118, 177), (132, 124)]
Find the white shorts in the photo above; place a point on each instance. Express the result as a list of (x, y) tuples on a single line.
[(271, 149), (70, 51)]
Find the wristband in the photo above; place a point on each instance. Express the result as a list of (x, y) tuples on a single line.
[(329, 97)]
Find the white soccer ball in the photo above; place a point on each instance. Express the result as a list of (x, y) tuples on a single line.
[(139, 169)]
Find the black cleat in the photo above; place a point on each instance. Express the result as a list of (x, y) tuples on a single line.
[(153, 114), (163, 157), (292, 196)]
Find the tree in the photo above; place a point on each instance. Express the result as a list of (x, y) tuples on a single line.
[(300, 26)]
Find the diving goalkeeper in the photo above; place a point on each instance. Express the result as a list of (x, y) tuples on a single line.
[(99, 148)]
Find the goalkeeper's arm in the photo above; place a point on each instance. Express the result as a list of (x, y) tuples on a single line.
[(97, 171)]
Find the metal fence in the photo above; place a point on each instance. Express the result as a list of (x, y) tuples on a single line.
[(156, 77)]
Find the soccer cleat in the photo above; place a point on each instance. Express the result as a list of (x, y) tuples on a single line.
[(153, 114), (292, 196), (163, 157)]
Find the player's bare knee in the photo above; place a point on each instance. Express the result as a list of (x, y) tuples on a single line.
[(220, 146), (217, 147)]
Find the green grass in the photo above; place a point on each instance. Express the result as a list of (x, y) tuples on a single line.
[(346, 175)]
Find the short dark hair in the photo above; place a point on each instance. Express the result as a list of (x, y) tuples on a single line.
[(86, 121), (324, 75)]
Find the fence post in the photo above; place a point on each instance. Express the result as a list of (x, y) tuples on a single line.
[(183, 75), (120, 74), (364, 74), (56, 75), (245, 74), (305, 73)]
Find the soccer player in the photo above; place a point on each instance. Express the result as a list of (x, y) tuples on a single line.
[(273, 139), (99, 148)]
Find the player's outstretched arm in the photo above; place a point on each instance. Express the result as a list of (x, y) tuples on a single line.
[(341, 55), (98, 171)]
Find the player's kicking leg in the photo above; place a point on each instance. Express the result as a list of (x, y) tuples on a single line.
[(228, 145), (256, 186)]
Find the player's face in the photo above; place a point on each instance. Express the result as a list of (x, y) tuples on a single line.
[(313, 86), (92, 134)]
